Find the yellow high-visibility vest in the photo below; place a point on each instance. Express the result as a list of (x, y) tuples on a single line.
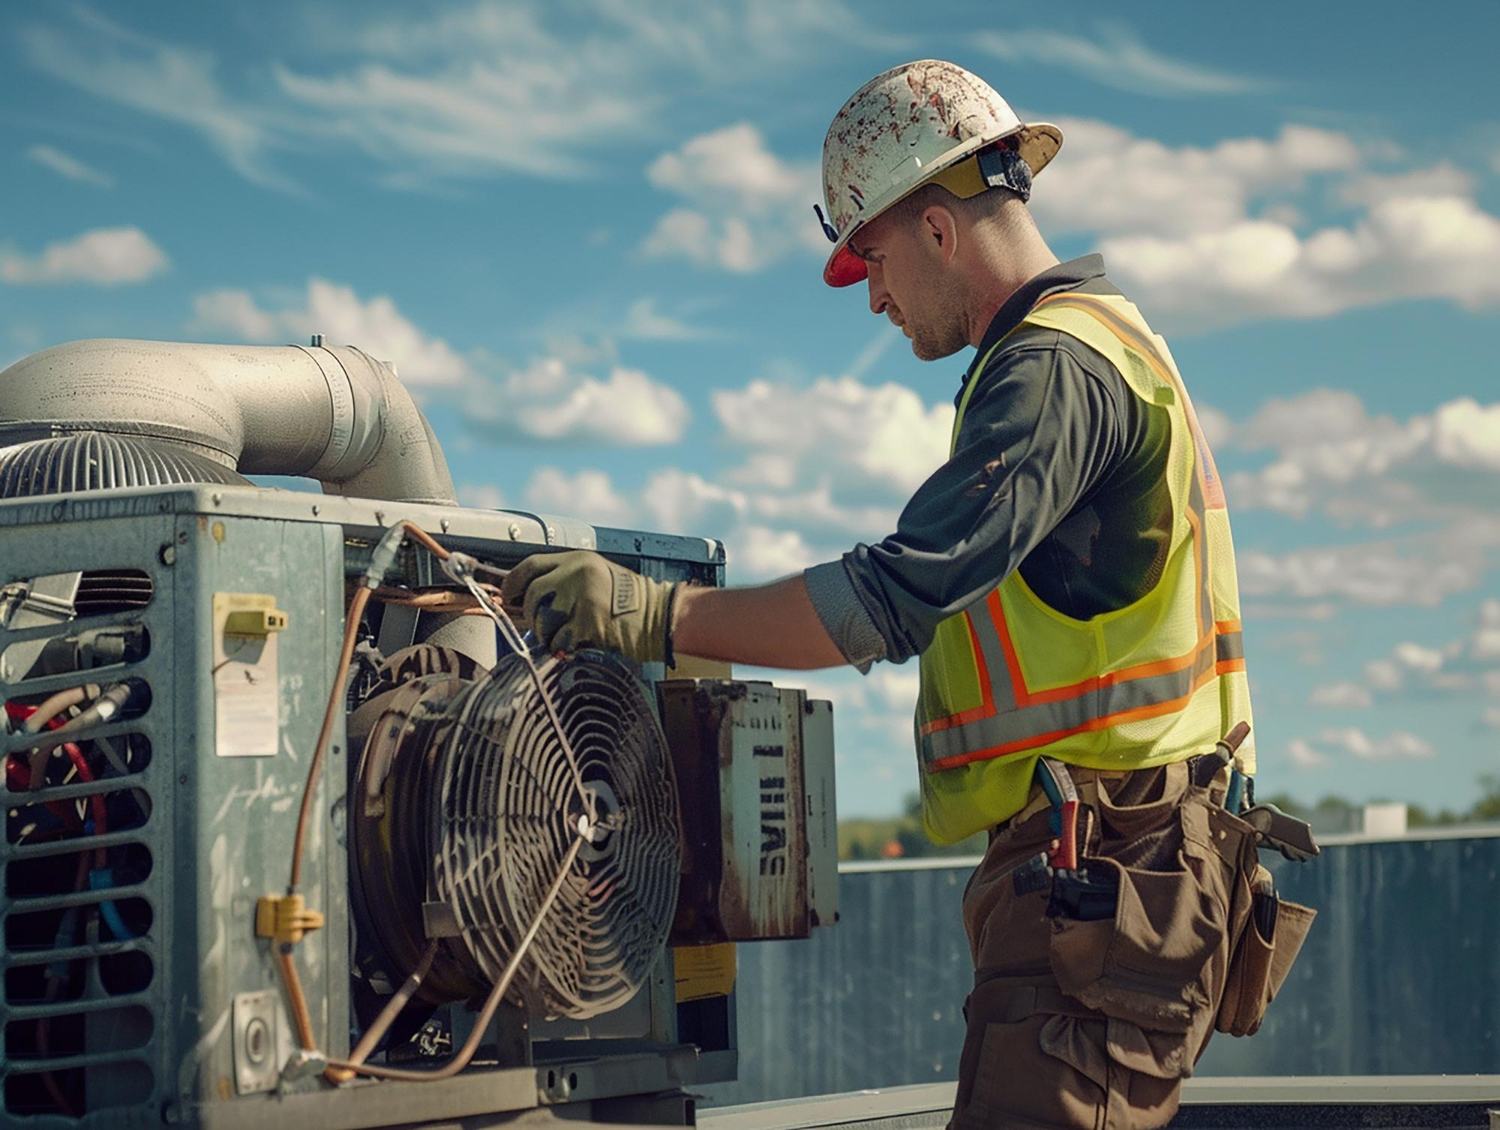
[(1012, 679)]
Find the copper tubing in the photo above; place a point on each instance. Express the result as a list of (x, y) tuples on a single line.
[(387, 1016), (442, 600), (491, 1003), (339, 1070), (335, 698), (295, 998), (425, 538)]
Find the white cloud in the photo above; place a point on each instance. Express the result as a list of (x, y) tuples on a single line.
[(1443, 179), (1461, 667), (1403, 247), (1303, 756), (1117, 58), (1333, 457), (646, 323), (374, 325), (747, 208), (1467, 434), (1354, 742), (102, 257), (1107, 180), (550, 400), (1397, 745), (586, 494), (678, 501), (1342, 694), (428, 93), (1484, 645), (761, 553), (178, 84), (1204, 237), (67, 166), (482, 496), (1415, 571), (863, 435)]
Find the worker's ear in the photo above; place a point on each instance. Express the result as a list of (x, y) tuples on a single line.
[(940, 232)]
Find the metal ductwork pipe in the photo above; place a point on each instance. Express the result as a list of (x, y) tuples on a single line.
[(330, 413)]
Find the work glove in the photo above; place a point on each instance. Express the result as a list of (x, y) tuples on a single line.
[(580, 599)]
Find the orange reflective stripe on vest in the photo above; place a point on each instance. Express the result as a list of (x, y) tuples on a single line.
[(1012, 676)]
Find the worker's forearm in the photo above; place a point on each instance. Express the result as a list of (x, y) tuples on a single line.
[(768, 626)]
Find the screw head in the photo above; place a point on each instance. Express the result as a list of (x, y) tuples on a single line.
[(168, 554), (515, 531)]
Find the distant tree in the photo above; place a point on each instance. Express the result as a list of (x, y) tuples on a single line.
[(1487, 807)]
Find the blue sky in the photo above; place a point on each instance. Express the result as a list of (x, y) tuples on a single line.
[(583, 231)]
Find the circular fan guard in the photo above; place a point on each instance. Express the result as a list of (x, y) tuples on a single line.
[(501, 803)]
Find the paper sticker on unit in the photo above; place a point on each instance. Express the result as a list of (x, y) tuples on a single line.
[(247, 699)]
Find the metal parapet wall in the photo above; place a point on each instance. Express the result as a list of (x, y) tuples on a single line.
[(1399, 977)]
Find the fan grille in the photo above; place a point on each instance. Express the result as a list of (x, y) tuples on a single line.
[(508, 808)]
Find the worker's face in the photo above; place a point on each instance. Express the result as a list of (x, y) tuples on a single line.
[(912, 284)]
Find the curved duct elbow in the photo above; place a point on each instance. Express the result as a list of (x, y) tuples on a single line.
[(331, 413)]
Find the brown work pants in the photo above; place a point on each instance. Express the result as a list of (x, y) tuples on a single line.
[(1035, 1053)]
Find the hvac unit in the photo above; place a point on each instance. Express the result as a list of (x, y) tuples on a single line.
[(299, 830)]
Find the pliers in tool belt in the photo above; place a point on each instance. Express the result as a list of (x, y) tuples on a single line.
[(1060, 790)]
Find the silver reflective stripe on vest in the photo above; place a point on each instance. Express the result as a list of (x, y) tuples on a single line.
[(1230, 645)]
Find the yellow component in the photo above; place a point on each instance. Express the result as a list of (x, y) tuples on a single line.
[(704, 971), (285, 918), (250, 614)]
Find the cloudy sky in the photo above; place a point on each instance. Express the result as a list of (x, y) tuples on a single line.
[(583, 231)]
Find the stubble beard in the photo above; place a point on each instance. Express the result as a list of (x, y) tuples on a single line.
[(933, 343)]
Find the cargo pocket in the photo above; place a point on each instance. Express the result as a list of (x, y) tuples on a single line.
[(1154, 969), (1259, 966), (1043, 1070)]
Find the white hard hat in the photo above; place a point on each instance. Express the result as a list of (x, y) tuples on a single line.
[(901, 130)]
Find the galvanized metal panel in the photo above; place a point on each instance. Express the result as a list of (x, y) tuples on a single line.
[(1399, 976)]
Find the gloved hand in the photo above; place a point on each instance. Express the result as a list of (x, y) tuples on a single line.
[(580, 599)]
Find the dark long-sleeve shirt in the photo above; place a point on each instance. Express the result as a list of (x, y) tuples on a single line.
[(1059, 472)]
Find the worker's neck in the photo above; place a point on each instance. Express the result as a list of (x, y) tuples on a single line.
[(1006, 267)]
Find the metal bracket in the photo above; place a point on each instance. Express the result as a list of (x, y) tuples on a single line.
[(254, 1022)]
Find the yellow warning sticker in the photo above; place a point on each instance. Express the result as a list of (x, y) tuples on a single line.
[(704, 971)]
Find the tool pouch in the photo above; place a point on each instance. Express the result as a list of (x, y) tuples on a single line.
[(1156, 968), (1259, 960)]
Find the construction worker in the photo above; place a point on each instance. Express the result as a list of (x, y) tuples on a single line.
[(1067, 579)]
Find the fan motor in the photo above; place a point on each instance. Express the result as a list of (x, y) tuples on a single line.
[(465, 803)]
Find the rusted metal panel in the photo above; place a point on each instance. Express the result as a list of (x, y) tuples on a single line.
[(739, 753), (822, 817)]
